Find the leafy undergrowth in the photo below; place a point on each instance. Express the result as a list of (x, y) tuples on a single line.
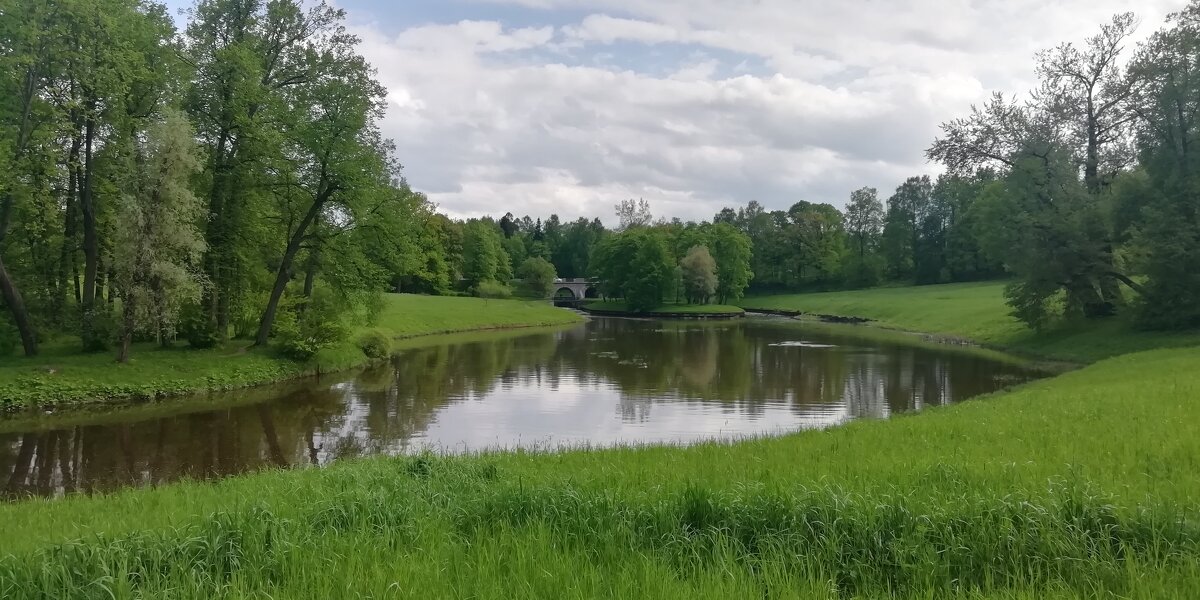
[(976, 311), (1081, 486), (61, 375)]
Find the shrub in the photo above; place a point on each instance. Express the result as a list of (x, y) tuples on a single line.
[(492, 289), (195, 328), (319, 325), (375, 344), (9, 338), (538, 275)]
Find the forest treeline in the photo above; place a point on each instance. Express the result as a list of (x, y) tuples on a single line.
[(229, 180)]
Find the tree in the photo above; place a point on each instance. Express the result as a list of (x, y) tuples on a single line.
[(538, 275), (1076, 122), (637, 265), (484, 258), (699, 272), (572, 254), (907, 209), (731, 251), (24, 74), (157, 243), (651, 270), (249, 56), (1087, 92), (817, 240), (864, 224), (632, 213), (335, 156), (1158, 206), (509, 225)]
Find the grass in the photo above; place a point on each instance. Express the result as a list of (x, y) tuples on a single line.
[(616, 306), (1081, 486), (976, 311), (1085, 485), (61, 375)]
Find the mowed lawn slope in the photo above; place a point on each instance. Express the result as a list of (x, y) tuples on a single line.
[(1082, 486), (976, 311), (61, 375)]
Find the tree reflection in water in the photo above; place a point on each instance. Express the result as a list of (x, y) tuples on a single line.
[(609, 381)]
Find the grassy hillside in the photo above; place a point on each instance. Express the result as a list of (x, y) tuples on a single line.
[(1074, 487), (63, 376), (976, 311)]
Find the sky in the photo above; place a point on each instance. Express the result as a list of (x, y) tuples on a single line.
[(568, 106)]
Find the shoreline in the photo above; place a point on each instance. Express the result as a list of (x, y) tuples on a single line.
[(37, 387)]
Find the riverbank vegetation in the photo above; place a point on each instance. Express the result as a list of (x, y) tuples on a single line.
[(667, 309), (60, 375), (1066, 488)]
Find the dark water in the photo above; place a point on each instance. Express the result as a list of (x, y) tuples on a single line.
[(609, 381)]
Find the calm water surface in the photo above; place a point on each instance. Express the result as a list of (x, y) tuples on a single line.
[(606, 382)]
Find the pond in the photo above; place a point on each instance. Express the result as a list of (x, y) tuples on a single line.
[(609, 381)]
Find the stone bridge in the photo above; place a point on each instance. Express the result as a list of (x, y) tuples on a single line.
[(571, 292)]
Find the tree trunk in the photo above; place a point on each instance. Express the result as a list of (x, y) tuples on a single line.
[(91, 241), (16, 306), (285, 267), (67, 262), (127, 324)]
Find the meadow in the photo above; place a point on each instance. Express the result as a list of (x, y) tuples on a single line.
[(61, 375), (975, 312)]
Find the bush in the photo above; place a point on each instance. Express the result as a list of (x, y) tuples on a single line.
[(538, 275), (9, 338), (375, 344), (195, 328), (492, 289), (319, 325), (103, 331)]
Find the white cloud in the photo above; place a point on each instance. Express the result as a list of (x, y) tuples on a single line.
[(696, 104)]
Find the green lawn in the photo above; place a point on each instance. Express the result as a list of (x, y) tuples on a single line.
[(1080, 486), (60, 375), (976, 311), (617, 306)]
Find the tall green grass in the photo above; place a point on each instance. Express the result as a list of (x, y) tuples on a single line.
[(1082, 486)]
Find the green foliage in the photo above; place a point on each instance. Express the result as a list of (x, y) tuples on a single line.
[(156, 233), (194, 327), (493, 290), (375, 344), (699, 273), (63, 376), (538, 275), (484, 257), (730, 249), (9, 339), (636, 265), (320, 324)]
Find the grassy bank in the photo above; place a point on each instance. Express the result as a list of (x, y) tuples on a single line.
[(976, 311), (1081, 486), (61, 375), (666, 310)]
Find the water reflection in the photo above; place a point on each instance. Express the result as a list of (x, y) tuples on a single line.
[(609, 381)]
